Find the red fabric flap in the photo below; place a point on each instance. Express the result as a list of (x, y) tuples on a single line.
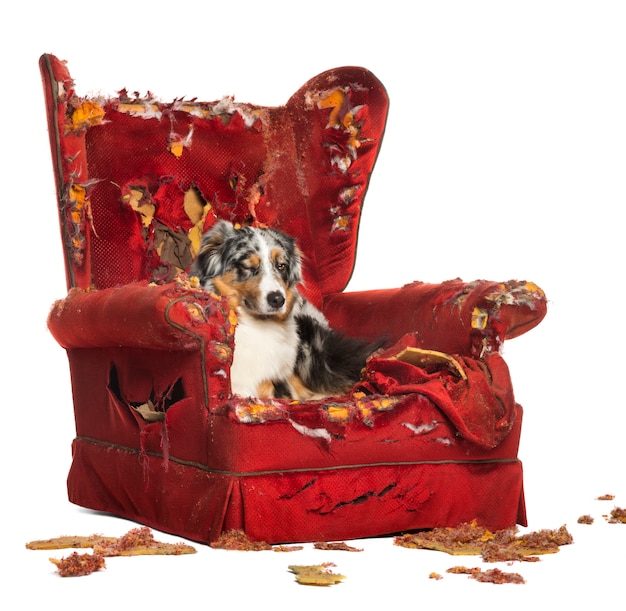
[(478, 400)]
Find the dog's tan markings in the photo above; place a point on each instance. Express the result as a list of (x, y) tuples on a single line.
[(277, 257), (265, 390), (237, 290), (300, 391), (252, 262), (250, 291), (226, 287)]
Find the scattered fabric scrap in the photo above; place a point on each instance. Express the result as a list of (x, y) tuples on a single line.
[(490, 576), (497, 576), (470, 539), (463, 570), (77, 565), (136, 542), (340, 546), (618, 516), (237, 540), (316, 575)]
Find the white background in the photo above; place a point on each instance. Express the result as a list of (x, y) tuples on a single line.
[(504, 157)]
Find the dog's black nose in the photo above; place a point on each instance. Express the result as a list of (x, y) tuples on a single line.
[(275, 299)]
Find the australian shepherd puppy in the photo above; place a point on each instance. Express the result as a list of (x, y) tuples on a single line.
[(284, 346)]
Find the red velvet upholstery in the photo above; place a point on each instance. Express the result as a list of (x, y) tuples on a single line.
[(426, 439)]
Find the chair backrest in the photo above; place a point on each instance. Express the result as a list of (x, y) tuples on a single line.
[(138, 180)]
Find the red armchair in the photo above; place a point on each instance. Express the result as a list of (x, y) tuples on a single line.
[(428, 438)]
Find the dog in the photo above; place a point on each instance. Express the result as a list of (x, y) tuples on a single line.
[(284, 346)]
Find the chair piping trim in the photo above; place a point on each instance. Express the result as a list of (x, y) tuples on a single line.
[(188, 463)]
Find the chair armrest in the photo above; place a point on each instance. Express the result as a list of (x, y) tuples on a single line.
[(138, 315), (454, 317)]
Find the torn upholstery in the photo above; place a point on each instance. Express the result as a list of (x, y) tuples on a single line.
[(427, 438)]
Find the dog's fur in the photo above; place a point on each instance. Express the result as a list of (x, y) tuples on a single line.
[(284, 346)]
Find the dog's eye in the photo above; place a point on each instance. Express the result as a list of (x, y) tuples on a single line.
[(248, 268), (280, 266)]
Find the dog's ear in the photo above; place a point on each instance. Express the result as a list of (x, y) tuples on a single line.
[(295, 269), (210, 260)]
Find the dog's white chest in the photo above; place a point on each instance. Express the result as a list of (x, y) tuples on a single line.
[(265, 350)]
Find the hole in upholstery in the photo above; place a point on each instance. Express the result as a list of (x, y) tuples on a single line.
[(154, 407)]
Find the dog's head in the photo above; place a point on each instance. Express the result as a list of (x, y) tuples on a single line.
[(256, 269)]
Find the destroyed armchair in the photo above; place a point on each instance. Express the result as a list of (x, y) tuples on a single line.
[(429, 436)]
